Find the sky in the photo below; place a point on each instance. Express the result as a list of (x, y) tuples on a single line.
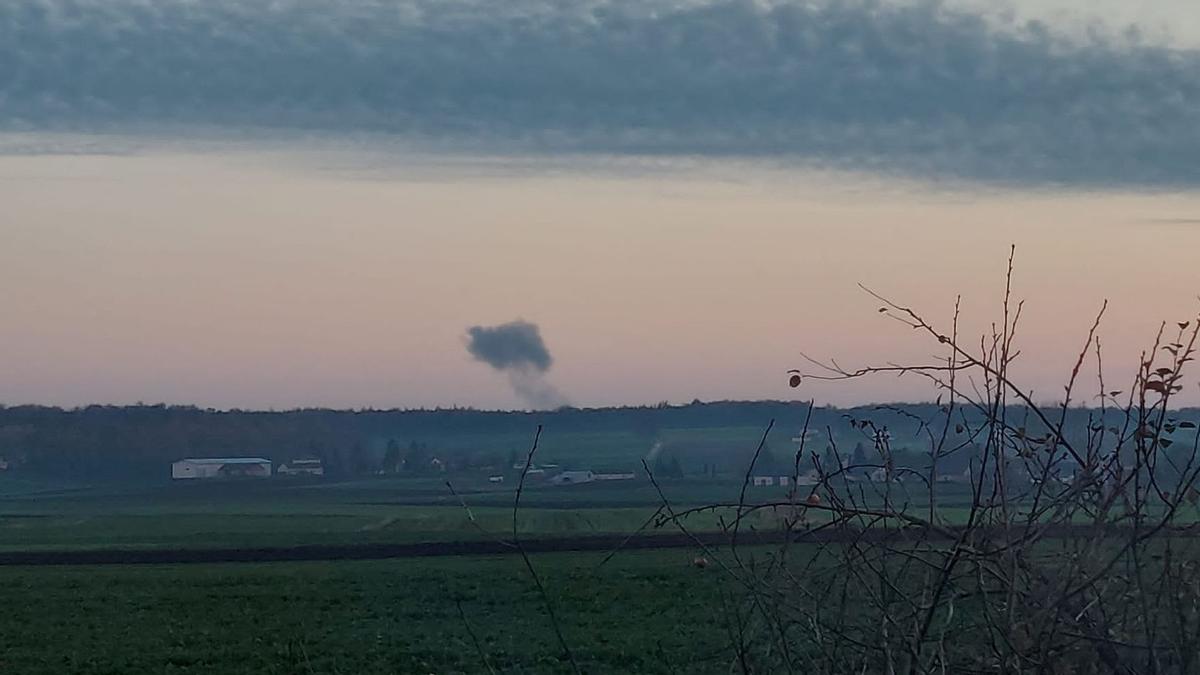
[(298, 203)]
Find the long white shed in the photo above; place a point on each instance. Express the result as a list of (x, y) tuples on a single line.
[(221, 467)]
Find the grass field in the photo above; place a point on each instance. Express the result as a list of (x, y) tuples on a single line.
[(648, 612), (642, 611), (281, 513)]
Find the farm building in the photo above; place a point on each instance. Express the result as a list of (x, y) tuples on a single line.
[(880, 476), (614, 476), (301, 467), (769, 481), (221, 467), (808, 478), (573, 478)]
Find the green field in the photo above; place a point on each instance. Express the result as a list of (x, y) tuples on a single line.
[(640, 612), (369, 511), (277, 514)]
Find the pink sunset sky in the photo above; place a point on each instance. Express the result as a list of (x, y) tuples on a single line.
[(202, 279)]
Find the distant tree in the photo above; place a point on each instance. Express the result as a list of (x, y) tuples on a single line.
[(646, 423), (482, 460), (859, 458), (416, 460), (392, 458), (830, 462), (660, 466), (360, 462), (767, 461), (330, 458), (674, 468)]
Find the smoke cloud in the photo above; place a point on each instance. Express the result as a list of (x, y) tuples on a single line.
[(517, 350), (908, 87)]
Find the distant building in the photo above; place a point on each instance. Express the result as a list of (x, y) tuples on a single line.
[(573, 478), (770, 481), (495, 479), (811, 477), (517, 466), (3, 464), (301, 467), (614, 476), (221, 467)]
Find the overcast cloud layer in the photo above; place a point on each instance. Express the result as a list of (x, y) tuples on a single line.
[(918, 90)]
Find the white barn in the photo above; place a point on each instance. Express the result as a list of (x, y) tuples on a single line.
[(573, 478), (221, 467)]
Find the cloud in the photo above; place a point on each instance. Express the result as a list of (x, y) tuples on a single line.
[(915, 89)]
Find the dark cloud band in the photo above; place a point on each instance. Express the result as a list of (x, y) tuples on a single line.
[(915, 89)]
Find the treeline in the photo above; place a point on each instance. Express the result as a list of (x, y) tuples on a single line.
[(101, 442)]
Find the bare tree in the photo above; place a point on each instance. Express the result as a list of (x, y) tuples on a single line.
[(1067, 546)]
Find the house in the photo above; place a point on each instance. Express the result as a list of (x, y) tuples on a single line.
[(221, 467), (573, 478), (763, 481), (783, 480), (301, 467)]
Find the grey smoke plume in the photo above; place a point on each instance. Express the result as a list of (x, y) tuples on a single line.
[(517, 350)]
